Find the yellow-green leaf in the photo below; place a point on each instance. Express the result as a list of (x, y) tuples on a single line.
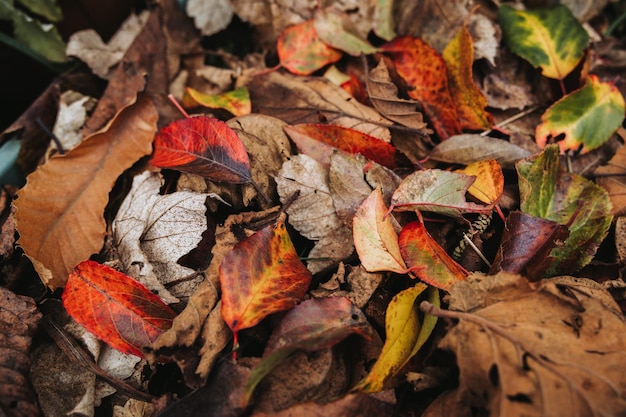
[(402, 330), (236, 101), (549, 38), (585, 118)]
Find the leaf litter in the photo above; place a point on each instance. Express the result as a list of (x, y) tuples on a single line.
[(318, 230)]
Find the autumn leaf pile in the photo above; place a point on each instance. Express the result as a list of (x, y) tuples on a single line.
[(375, 216)]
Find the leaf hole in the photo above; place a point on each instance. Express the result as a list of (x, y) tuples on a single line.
[(355, 317), (494, 375), (520, 398)]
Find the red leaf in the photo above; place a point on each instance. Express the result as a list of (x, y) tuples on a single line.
[(203, 146), (318, 141), (260, 276), (115, 307), (425, 71), (426, 259), (301, 51)]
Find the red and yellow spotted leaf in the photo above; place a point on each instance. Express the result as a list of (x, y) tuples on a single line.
[(203, 146), (375, 237), (549, 38), (427, 260), (584, 119), (470, 101), (489, 183), (424, 70), (319, 140), (236, 101), (261, 275), (301, 51), (115, 308)]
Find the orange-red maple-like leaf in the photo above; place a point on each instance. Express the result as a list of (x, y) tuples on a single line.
[(301, 51), (203, 146), (318, 141), (425, 71), (260, 276), (116, 308), (426, 259)]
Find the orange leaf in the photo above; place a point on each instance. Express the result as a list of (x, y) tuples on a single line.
[(489, 183), (116, 308), (425, 71), (375, 237), (59, 211), (301, 51), (318, 141), (426, 259), (470, 101), (260, 276), (203, 146)]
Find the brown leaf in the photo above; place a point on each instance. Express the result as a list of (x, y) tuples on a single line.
[(348, 186), (383, 94), (352, 405), (307, 99), (546, 349), (611, 177), (59, 211), (19, 319)]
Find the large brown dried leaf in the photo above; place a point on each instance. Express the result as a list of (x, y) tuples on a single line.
[(60, 210), (611, 177), (19, 318), (383, 94), (555, 348), (297, 99), (352, 405)]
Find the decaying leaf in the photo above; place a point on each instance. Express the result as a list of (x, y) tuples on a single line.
[(489, 182), (383, 94), (549, 348), (467, 149), (547, 190), (70, 218), (347, 184), (375, 237), (237, 101), (115, 307), (334, 28), (612, 177), (152, 232)]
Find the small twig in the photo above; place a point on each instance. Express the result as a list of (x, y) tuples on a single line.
[(178, 106), (77, 355), (511, 119), (475, 248), (52, 136)]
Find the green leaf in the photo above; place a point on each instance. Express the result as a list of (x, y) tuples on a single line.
[(402, 331), (548, 191), (41, 38), (48, 9), (10, 171), (586, 118), (549, 38), (334, 29), (235, 101), (383, 24), (6, 10)]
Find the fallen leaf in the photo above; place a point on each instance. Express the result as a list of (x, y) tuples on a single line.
[(307, 99), (486, 37), (70, 219), (383, 94), (73, 107), (348, 186), (313, 212), (620, 237), (236, 101), (318, 141), (543, 345), (335, 29), (152, 232), (425, 259), (470, 101), (612, 177), (301, 51), (402, 330), (550, 38), (467, 149), (360, 285), (383, 20), (210, 17), (375, 237), (526, 245), (87, 45), (260, 276), (548, 191), (489, 183), (424, 70), (584, 119), (116, 308), (436, 191), (203, 146), (19, 319), (351, 405)]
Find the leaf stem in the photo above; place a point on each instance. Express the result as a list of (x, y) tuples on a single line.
[(178, 106)]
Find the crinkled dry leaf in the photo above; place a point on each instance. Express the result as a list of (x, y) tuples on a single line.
[(468, 148), (68, 218), (351, 405), (348, 186), (307, 99), (152, 232), (612, 177), (549, 349), (210, 17)]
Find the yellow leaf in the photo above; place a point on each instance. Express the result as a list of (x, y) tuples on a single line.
[(489, 182)]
